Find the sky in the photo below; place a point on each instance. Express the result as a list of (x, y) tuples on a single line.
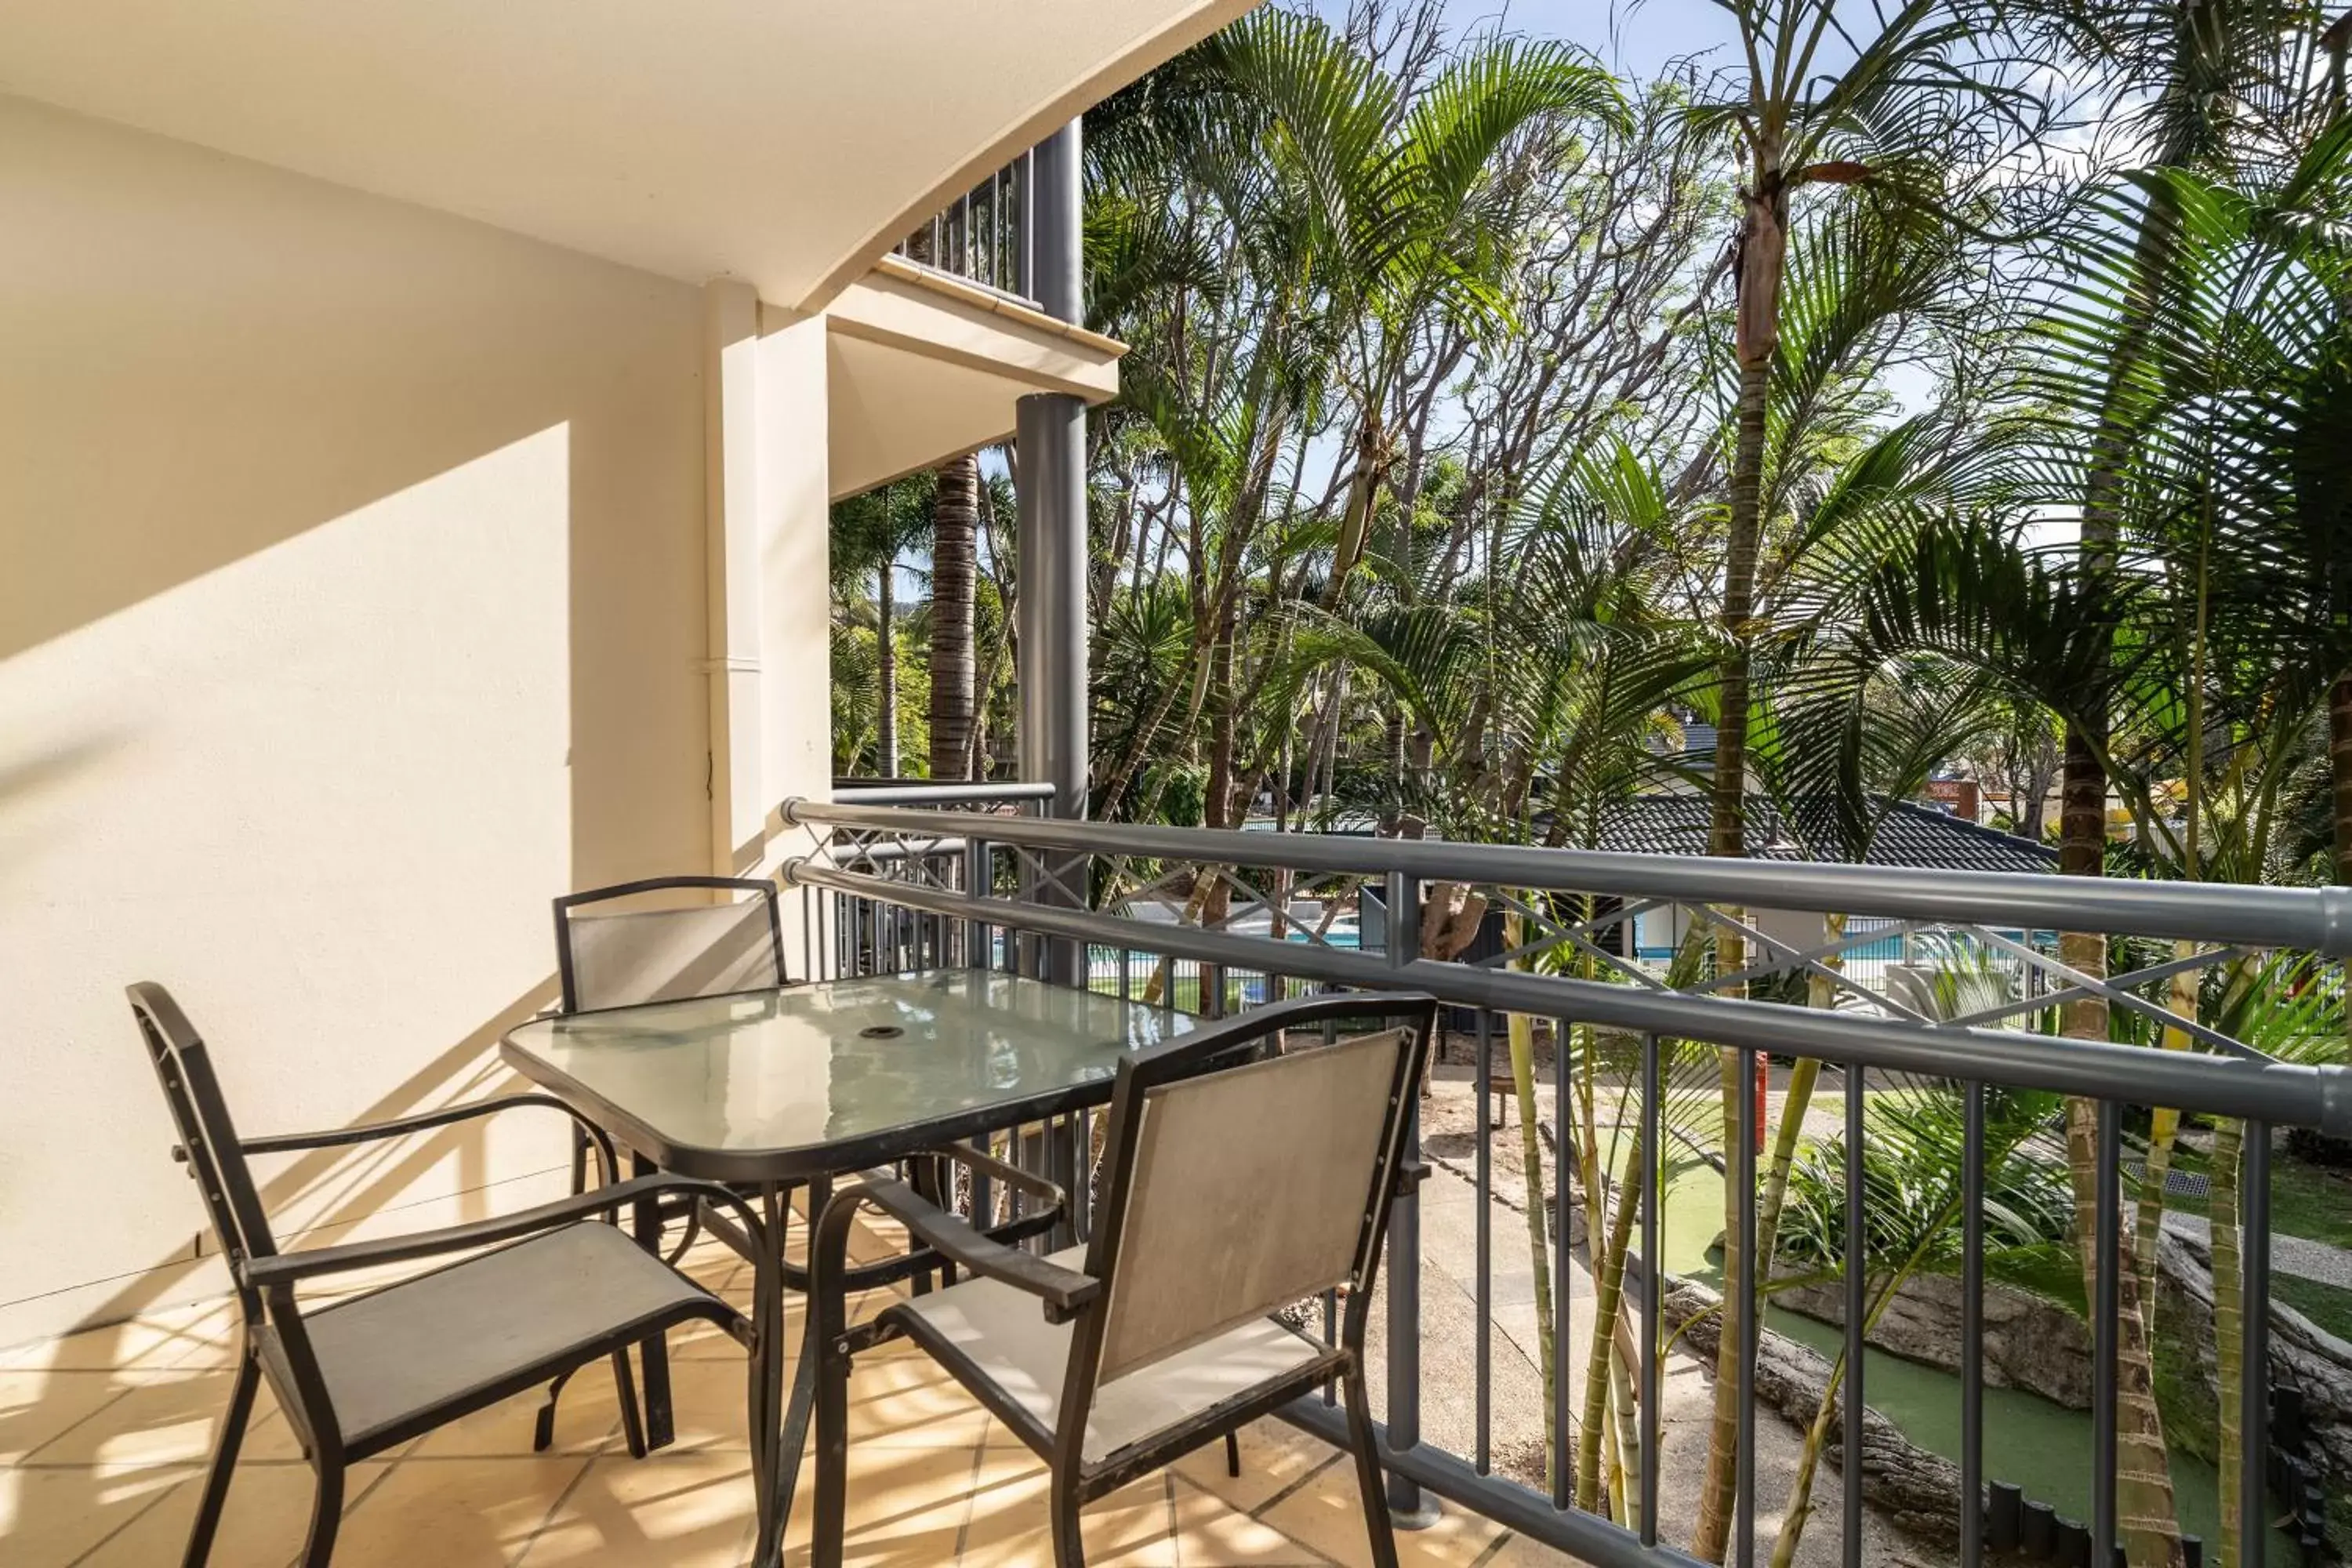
[(1637, 39)]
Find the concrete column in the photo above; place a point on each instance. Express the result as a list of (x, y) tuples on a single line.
[(731, 423), (766, 502), (1052, 431)]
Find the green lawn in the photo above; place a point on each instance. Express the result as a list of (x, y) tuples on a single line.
[(2330, 1306), (2307, 1200)]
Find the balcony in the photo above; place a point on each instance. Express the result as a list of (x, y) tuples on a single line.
[(1535, 1217), (103, 1434)]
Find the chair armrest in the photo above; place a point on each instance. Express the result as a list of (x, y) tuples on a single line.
[(997, 1169), (1064, 1292), (289, 1267), (289, 1142)]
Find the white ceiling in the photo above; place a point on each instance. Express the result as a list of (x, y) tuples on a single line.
[(784, 141)]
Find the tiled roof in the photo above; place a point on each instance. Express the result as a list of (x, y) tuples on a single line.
[(1911, 835)]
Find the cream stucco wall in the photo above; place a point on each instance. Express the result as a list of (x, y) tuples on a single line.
[(352, 585)]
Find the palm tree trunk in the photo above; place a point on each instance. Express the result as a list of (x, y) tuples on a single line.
[(1608, 1300), (2143, 1470), (886, 634), (2228, 1320), (1711, 1537), (1763, 261), (1523, 1084), (2164, 1131), (955, 524), (2144, 1483), (2339, 758)]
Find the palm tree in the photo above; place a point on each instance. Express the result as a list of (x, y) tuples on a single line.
[(955, 534), (870, 533)]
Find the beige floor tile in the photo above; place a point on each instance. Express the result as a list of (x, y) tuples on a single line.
[(1210, 1533), (671, 1509), (899, 1397), (263, 1525), (49, 1518), (454, 1513), (587, 1419), (907, 1507), (37, 1407), (1274, 1456), (169, 1418), (1010, 1528), (1327, 1516)]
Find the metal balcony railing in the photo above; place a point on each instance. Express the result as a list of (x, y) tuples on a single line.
[(1209, 922), (983, 235)]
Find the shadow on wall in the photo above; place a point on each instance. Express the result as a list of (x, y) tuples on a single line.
[(352, 610)]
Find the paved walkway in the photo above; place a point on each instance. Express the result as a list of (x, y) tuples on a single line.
[(2295, 1255)]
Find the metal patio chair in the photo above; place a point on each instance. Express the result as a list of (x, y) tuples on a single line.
[(1236, 1184), (638, 955), (557, 1291), (629, 956)]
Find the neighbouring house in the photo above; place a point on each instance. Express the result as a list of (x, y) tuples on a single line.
[(1908, 834), (417, 427)]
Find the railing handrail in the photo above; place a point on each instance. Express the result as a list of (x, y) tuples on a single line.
[(2313, 919), (900, 792), (2255, 1088)]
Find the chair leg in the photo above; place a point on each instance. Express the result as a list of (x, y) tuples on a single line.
[(624, 1386), (326, 1515), (1069, 1543), (224, 1464), (1370, 1482), (829, 1528), (542, 1432)]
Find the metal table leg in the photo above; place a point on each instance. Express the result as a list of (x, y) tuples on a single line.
[(661, 1426), (771, 1468), (779, 1466)]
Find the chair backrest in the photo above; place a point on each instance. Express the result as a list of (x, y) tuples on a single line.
[(215, 1156), (669, 954), (1236, 1183), (216, 1159)]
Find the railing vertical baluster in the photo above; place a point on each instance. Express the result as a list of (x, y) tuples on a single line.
[(1653, 1268), (1563, 1156), (976, 882), (1857, 1308), (1330, 1298), (1405, 1251), (2254, 1357), (1483, 1295), (1752, 1296), (1972, 1200), (2106, 1338)]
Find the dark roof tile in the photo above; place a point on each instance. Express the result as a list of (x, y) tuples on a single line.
[(1910, 836)]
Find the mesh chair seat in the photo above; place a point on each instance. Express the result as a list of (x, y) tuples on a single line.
[(1000, 1334), (480, 1330)]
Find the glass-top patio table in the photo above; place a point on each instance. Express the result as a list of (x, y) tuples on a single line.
[(771, 1088)]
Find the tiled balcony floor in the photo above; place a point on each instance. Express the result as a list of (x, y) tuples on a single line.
[(103, 1437)]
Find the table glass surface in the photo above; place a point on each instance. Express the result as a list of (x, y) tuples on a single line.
[(836, 1060)]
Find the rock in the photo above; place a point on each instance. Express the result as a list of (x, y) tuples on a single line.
[(1914, 1488), (2303, 1356), (2029, 1343)]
